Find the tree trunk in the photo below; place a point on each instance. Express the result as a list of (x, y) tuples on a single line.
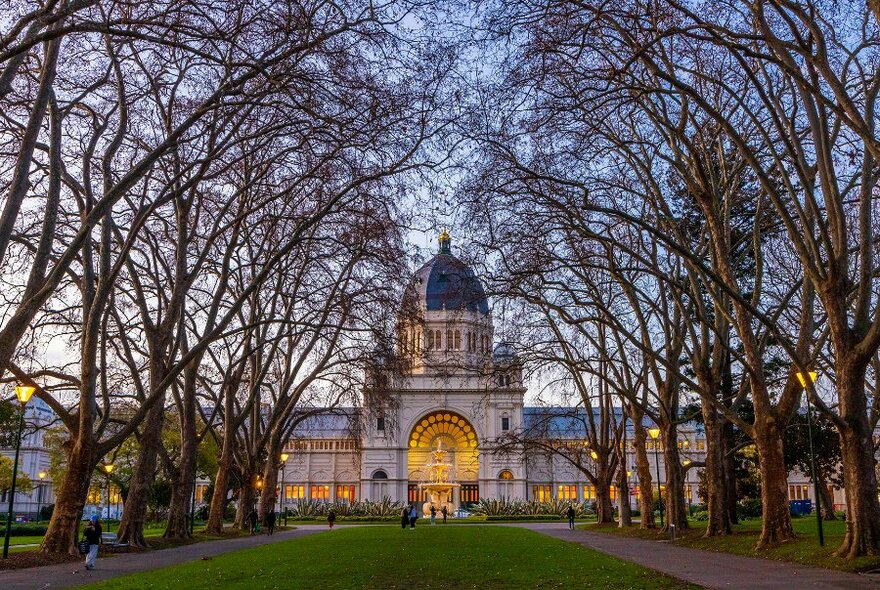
[(729, 444), (131, 528), (604, 507), (643, 468), (716, 497), (857, 458), (774, 483), (181, 494), (825, 502), (625, 519), (246, 501), (269, 497), (61, 536), (860, 485), (218, 498), (676, 508)]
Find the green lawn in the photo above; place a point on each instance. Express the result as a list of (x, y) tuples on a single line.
[(804, 549), (385, 557)]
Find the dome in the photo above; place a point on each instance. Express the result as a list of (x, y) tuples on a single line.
[(447, 283), (504, 353)]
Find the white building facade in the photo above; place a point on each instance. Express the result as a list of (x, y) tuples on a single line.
[(463, 391)]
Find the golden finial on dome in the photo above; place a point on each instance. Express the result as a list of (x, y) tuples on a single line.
[(445, 242)]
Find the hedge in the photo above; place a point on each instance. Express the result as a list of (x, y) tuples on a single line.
[(25, 530), (524, 517)]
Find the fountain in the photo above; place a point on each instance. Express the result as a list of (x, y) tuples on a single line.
[(438, 485)]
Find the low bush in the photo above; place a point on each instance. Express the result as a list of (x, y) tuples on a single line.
[(524, 517), (508, 507), (25, 530), (701, 516), (749, 508)]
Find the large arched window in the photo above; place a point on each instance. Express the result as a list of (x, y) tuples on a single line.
[(380, 474), (506, 474)]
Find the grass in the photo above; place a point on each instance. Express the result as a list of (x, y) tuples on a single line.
[(804, 549), (385, 557), (152, 533)]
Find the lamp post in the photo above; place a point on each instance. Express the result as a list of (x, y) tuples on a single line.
[(687, 465), (284, 458), (23, 393), (803, 378), (42, 476), (108, 469), (654, 433)]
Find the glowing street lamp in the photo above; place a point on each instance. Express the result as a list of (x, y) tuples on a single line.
[(807, 380), (42, 476), (284, 458), (654, 433), (108, 469), (23, 393)]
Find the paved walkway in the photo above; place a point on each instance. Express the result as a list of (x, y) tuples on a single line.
[(708, 568), (66, 575)]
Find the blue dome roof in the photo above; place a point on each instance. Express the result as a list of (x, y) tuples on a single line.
[(447, 283)]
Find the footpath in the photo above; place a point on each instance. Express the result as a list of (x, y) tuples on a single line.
[(708, 568), (70, 574)]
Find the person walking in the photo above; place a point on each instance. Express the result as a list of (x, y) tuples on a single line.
[(570, 515), (444, 512), (404, 517), (92, 536), (270, 523), (331, 518), (433, 515), (252, 519), (413, 517)]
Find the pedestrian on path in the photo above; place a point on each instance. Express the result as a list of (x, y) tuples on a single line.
[(404, 517), (92, 536), (413, 517), (571, 515), (331, 518), (433, 515), (270, 523), (444, 512), (252, 518)]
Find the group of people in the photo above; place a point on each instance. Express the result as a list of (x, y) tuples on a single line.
[(410, 515), (253, 519)]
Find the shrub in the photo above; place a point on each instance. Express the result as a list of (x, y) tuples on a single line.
[(701, 516), (523, 517), (46, 512), (386, 507), (750, 508), (25, 530)]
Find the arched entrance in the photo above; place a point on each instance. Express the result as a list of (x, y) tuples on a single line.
[(457, 436)]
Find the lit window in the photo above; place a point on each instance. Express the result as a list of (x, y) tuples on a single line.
[(506, 474), (320, 492), (294, 492), (542, 493), (589, 492), (345, 493), (566, 492)]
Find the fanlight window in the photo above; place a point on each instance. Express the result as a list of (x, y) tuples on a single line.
[(443, 424), (506, 474), (380, 475)]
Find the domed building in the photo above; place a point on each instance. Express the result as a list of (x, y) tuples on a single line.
[(452, 392), (456, 390)]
